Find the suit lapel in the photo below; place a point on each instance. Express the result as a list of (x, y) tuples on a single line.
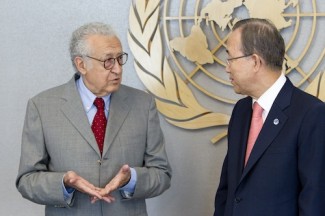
[(119, 109), (74, 111), (272, 126)]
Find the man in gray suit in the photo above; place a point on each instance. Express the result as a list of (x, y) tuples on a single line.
[(63, 167)]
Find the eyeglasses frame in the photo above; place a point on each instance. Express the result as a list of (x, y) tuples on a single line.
[(228, 60), (110, 59)]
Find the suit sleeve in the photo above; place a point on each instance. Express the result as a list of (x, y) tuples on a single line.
[(155, 175), (311, 163), (222, 191), (221, 195), (34, 181)]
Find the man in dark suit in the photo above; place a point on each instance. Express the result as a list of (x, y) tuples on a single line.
[(76, 167), (283, 173)]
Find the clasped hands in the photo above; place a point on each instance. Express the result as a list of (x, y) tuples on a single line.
[(73, 180)]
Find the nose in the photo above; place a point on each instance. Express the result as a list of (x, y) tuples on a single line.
[(117, 68), (227, 68)]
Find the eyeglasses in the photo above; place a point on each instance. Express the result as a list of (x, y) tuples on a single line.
[(110, 62), (228, 60)]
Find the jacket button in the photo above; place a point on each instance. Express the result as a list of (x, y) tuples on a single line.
[(238, 199)]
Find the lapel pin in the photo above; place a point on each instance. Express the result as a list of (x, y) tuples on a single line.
[(276, 121)]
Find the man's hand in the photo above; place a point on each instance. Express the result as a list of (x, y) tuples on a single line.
[(121, 179), (73, 180)]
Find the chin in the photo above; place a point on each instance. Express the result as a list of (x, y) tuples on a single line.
[(114, 88), (237, 91)]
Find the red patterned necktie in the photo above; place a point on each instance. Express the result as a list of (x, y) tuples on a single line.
[(256, 126), (99, 123)]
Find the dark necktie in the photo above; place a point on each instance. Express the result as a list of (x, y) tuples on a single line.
[(99, 123), (256, 126)]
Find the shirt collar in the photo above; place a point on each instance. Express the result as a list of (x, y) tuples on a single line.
[(267, 98), (88, 97)]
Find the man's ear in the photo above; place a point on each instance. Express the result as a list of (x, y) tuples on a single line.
[(80, 65), (258, 62)]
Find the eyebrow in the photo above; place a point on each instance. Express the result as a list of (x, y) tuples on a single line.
[(111, 55), (108, 56)]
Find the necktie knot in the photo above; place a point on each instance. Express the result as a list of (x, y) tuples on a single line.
[(99, 103)]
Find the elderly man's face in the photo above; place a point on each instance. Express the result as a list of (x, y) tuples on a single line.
[(99, 80), (240, 68)]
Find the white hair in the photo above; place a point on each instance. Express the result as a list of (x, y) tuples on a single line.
[(78, 43)]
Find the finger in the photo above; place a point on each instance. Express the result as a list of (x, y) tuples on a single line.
[(125, 169), (109, 199), (93, 199), (93, 193), (97, 189), (73, 180), (105, 191), (121, 178), (89, 189)]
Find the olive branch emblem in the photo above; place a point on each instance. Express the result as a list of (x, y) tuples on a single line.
[(173, 97), (317, 86)]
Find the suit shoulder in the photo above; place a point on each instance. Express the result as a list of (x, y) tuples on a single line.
[(305, 98), (54, 92), (135, 93), (51, 91)]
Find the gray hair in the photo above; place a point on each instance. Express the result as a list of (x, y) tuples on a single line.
[(78, 42)]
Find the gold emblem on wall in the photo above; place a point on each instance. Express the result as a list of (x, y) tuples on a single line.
[(195, 39)]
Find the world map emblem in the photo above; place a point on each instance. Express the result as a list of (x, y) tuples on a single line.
[(179, 52)]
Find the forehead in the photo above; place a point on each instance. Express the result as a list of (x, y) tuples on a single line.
[(102, 44), (234, 41)]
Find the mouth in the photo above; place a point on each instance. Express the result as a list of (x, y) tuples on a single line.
[(116, 80)]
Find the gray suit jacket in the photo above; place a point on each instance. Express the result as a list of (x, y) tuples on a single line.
[(57, 138)]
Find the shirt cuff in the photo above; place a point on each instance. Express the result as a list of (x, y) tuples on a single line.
[(128, 189), (67, 193)]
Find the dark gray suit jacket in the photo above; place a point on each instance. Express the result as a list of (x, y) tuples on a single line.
[(285, 174)]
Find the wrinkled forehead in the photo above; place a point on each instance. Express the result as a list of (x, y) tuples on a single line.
[(104, 44)]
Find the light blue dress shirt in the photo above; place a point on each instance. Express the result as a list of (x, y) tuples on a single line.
[(88, 99)]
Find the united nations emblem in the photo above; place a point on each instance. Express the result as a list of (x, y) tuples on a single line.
[(179, 51)]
